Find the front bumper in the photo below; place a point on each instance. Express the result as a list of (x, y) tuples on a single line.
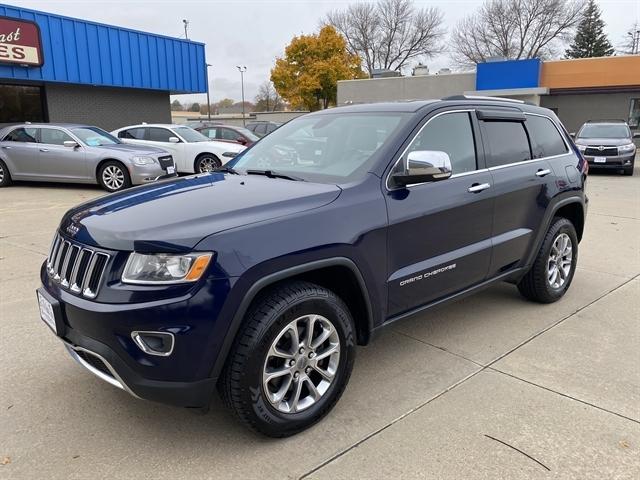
[(614, 162), (94, 339), (141, 174)]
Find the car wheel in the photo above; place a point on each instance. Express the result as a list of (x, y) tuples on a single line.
[(113, 176), (207, 163), (5, 176), (553, 268), (291, 361)]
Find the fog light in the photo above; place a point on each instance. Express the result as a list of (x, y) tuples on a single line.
[(154, 343)]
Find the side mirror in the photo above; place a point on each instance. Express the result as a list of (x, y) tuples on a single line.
[(573, 135), (241, 140), (70, 144), (424, 166), (174, 140), (636, 134)]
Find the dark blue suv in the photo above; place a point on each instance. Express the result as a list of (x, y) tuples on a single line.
[(260, 279)]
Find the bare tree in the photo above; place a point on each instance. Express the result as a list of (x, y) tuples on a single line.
[(630, 44), (267, 99), (389, 34), (515, 29)]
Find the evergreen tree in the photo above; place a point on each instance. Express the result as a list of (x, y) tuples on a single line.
[(590, 39)]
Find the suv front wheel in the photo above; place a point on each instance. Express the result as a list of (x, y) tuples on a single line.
[(554, 266), (291, 361)]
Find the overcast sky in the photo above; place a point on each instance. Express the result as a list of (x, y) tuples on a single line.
[(255, 32)]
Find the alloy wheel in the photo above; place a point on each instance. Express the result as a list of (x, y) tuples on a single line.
[(208, 164), (301, 363), (560, 261), (113, 177), (1, 173)]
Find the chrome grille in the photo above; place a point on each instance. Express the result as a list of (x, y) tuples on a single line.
[(75, 267)]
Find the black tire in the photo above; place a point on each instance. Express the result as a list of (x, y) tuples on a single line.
[(123, 178), (535, 285), (5, 175), (205, 160), (241, 383)]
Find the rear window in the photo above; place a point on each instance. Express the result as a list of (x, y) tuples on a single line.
[(508, 143), (546, 140), (133, 133), (25, 135)]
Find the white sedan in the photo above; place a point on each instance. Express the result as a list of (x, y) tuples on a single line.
[(191, 151)]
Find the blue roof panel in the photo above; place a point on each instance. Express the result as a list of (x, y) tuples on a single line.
[(90, 53)]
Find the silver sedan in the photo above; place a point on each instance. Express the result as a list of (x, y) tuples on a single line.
[(78, 154)]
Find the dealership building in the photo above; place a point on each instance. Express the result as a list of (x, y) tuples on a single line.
[(576, 90), (61, 69)]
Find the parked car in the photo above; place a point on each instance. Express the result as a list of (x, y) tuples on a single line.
[(607, 144), (229, 133), (266, 287), (192, 151), (200, 124), (262, 128), (56, 152)]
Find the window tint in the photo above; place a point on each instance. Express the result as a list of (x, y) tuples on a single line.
[(450, 133), (546, 140), (508, 143), (51, 136), (134, 133), (228, 134), (159, 134), (26, 135), (209, 132)]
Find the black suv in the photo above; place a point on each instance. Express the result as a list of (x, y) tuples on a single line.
[(607, 144), (290, 261)]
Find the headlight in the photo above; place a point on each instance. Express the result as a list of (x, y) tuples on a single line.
[(229, 154), (143, 160), (165, 268), (626, 148), (582, 148)]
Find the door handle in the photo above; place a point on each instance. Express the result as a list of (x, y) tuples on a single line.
[(543, 173), (478, 187), (6, 147), (44, 149)]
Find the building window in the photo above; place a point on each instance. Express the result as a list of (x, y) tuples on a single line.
[(634, 113), (19, 103)]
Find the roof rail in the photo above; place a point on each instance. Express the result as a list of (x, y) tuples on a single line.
[(480, 97)]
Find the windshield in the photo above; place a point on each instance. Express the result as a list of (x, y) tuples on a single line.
[(247, 133), (604, 131), (331, 148), (190, 135), (94, 136)]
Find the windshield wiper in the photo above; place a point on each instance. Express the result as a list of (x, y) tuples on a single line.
[(225, 169), (272, 174)]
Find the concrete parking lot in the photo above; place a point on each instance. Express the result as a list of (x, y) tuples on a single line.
[(490, 387)]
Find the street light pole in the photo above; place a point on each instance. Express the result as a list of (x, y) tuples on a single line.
[(242, 69), (186, 28), (208, 101)]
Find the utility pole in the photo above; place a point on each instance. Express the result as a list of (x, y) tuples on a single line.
[(635, 42), (208, 101), (242, 69), (186, 28)]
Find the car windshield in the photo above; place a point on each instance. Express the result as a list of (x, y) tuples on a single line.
[(94, 136), (604, 130), (328, 148), (247, 133), (189, 135)]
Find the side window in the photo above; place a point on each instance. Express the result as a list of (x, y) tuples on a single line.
[(228, 134), (261, 129), (24, 135), (52, 136), (546, 140), (451, 133), (209, 132), (508, 143), (133, 133), (156, 134)]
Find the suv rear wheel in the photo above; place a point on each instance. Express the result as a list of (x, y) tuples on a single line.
[(554, 266), (291, 361)]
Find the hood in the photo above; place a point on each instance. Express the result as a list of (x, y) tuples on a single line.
[(173, 216), (131, 148), (605, 142)]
